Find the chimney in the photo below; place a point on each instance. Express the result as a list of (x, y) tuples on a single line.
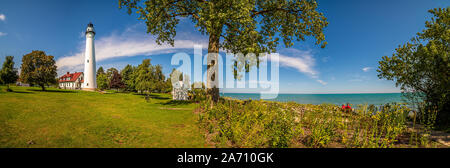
[(67, 73)]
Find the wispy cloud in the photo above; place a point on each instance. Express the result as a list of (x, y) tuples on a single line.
[(129, 43), (321, 82), (132, 42), (358, 78), (367, 69), (302, 61), (2, 17), (3, 34)]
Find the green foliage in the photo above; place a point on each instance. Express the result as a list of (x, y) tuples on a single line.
[(421, 67), (159, 79), (100, 71), (8, 74), (244, 26), (249, 123), (38, 68), (110, 72), (116, 81), (128, 77), (197, 94), (102, 81), (167, 86), (378, 127), (247, 26), (323, 126), (145, 77)]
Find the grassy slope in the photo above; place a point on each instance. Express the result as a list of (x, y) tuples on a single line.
[(63, 118)]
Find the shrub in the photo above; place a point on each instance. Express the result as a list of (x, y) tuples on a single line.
[(249, 123)]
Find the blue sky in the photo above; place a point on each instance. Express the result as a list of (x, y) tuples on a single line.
[(359, 33)]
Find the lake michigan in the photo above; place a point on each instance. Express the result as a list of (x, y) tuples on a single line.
[(338, 99)]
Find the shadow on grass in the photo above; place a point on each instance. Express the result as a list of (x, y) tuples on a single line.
[(153, 96), (176, 102), (22, 92), (57, 91)]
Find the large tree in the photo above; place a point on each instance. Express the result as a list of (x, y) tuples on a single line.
[(238, 26), (145, 77), (100, 71), (110, 72), (116, 81), (159, 78), (38, 68), (102, 81), (128, 77), (421, 67), (8, 74)]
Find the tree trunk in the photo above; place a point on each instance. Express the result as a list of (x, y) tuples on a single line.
[(212, 80), (7, 88), (43, 87)]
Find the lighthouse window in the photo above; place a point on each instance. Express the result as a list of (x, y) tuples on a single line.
[(87, 61), (87, 84)]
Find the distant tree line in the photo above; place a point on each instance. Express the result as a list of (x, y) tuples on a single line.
[(145, 78), (37, 68)]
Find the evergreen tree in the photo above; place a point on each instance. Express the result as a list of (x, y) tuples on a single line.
[(128, 77), (159, 78), (102, 81), (144, 77), (100, 71), (8, 74)]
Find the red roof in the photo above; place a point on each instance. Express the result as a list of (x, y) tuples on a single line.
[(73, 77)]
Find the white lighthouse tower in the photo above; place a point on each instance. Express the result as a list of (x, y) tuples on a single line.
[(89, 60)]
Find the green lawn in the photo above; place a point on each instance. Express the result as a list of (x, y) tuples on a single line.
[(30, 117)]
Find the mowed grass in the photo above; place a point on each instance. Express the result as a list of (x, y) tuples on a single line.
[(67, 118)]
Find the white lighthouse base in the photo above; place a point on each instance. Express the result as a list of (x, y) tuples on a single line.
[(88, 89)]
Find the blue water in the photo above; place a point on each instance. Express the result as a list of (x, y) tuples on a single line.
[(362, 98)]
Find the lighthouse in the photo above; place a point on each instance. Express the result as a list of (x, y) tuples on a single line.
[(89, 60)]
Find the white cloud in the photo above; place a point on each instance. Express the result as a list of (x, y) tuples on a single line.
[(133, 42), (3, 34), (321, 82), (127, 44), (302, 61), (2, 17), (367, 69)]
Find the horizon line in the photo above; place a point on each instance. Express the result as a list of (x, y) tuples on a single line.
[(318, 93)]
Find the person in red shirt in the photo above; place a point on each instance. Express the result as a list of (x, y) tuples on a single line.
[(346, 108)]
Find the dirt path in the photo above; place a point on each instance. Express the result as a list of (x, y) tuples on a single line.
[(437, 136)]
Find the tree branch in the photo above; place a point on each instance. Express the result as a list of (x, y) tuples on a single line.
[(254, 13)]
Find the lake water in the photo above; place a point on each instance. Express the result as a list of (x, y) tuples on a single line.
[(362, 98)]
